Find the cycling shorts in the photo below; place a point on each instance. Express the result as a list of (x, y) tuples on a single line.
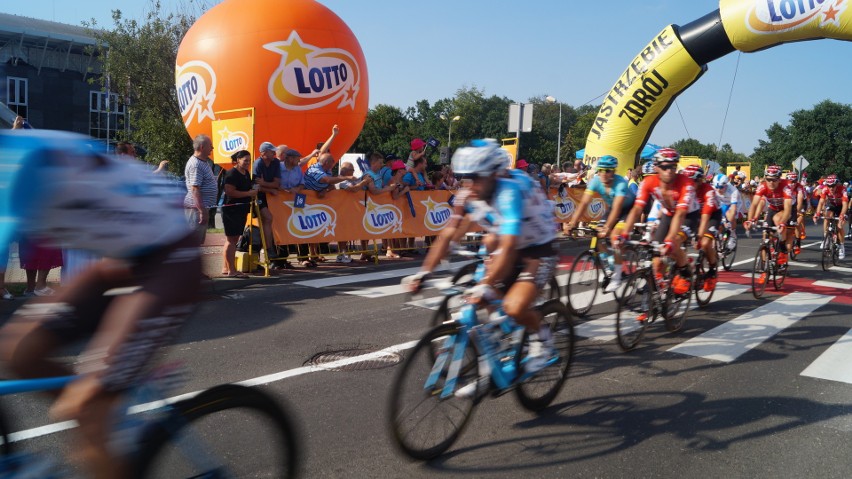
[(534, 264), (689, 227), (714, 222)]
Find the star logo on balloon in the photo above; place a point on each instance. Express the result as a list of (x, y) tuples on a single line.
[(310, 77), (196, 91), (831, 13)]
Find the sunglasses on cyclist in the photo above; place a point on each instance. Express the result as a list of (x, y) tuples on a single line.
[(666, 167), (606, 170), (773, 180)]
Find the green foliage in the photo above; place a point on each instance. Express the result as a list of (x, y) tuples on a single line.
[(723, 155), (822, 134), (139, 60)]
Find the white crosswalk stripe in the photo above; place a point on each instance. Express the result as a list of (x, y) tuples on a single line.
[(833, 364)]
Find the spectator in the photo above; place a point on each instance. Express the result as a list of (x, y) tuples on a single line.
[(522, 165), (200, 185), (239, 191), (37, 261), (319, 178), (353, 185), (267, 175), (418, 152), (450, 181), (292, 182), (415, 178), (376, 185), (386, 171), (19, 123), (398, 188), (544, 177), (633, 180)]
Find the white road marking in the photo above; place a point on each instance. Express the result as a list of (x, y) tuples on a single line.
[(603, 329), (805, 265), (841, 269), (833, 363), (738, 336), (833, 284), (379, 275)]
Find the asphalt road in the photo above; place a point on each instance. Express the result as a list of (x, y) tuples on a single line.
[(749, 388)]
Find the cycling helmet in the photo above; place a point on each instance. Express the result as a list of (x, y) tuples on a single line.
[(792, 176), (666, 155), (773, 171), (648, 168), (830, 180), (607, 162), (720, 180), (694, 171), (481, 158)]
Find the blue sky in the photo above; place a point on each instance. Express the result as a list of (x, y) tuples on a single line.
[(573, 50)]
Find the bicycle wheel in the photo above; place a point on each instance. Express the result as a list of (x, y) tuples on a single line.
[(198, 437), (634, 310), (583, 282), (537, 392), (464, 276), (424, 424), (677, 305), (827, 253), (702, 268), (759, 272), (449, 304)]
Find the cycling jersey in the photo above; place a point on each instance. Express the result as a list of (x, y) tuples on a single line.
[(619, 188), (518, 208), (705, 197), (680, 195), (834, 195), (70, 197), (727, 196), (775, 198)]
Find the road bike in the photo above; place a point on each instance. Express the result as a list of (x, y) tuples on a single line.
[(467, 276), (191, 438), (726, 255), (830, 249), (593, 270), (649, 295), (455, 365), (766, 265)]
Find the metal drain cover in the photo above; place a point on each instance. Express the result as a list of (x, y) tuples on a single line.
[(354, 359)]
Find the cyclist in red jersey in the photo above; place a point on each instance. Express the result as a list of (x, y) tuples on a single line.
[(833, 198), (779, 199), (678, 211), (711, 217), (800, 204)]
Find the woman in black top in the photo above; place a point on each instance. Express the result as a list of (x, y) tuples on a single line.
[(239, 192)]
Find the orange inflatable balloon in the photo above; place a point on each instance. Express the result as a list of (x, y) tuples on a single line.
[(294, 61)]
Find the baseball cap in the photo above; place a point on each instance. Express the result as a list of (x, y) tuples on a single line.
[(417, 143), (391, 157), (522, 163), (266, 146), (397, 165), (291, 152)]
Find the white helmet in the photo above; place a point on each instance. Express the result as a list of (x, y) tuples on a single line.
[(720, 180), (481, 158)]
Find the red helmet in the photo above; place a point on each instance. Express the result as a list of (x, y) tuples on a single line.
[(666, 155), (830, 180), (773, 171), (693, 171), (792, 176)]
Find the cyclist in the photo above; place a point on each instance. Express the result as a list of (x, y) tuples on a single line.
[(797, 216), (651, 210), (729, 197), (614, 191), (135, 220), (678, 211), (834, 201), (512, 207), (777, 195), (711, 216)]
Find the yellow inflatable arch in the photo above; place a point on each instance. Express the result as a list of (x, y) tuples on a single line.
[(678, 56)]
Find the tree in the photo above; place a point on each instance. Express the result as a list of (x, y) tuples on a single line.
[(822, 134), (139, 65)]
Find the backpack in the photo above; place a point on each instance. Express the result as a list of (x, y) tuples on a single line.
[(251, 235)]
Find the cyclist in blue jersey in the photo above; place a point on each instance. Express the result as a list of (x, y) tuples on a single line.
[(519, 219), (615, 192), (729, 198), (55, 188)]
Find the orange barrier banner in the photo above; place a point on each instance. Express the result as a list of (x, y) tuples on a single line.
[(347, 216)]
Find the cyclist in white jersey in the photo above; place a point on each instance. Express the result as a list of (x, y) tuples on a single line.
[(519, 219), (56, 189), (728, 197)]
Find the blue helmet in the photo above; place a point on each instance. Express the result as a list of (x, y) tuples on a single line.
[(648, 168), (720, 180), (607, 162)]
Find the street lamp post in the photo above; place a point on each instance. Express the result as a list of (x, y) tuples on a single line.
[(450, 132), (552, 100)]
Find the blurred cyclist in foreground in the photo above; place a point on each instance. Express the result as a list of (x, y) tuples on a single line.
[(519, 218), (54, 187)]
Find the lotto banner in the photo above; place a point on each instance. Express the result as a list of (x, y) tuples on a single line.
[(345, 216), (757, 24), (641, 95), (231, 136)]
